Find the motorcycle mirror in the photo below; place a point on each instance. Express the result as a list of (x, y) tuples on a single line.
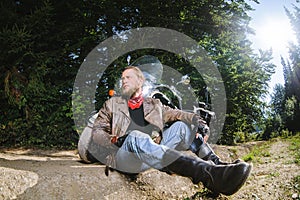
[(128, 59)]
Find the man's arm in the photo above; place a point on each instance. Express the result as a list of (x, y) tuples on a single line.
[(171, 115), (187, 117), (102, 126)]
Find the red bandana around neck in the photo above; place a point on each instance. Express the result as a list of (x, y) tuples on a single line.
[(135, 102)]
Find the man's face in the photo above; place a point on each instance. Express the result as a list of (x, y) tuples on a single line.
[(130, 83)]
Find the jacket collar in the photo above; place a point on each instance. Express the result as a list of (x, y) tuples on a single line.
[(148, 105)]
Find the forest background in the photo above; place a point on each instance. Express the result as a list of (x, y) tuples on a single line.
[(44, 43)]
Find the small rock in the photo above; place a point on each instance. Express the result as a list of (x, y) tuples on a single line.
[(295, 196), (255, 196)]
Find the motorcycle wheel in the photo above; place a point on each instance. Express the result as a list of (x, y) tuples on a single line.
[(83, 146)]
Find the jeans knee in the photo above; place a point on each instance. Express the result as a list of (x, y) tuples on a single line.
[(185, 133), (183, 127), (135, 134), (137, 138)]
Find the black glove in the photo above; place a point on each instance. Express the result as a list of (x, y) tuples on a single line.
[(119, 141), (201, 125), (195, 146)]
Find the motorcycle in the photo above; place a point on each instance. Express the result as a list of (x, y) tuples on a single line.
[(166, 93)]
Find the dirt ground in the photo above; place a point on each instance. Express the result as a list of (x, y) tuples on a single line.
[(36, 174)]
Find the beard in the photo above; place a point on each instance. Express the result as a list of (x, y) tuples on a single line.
[(129, 92)]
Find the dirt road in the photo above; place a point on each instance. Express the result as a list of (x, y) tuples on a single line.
[(36, 174)]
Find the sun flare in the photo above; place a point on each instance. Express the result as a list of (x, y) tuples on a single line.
[(275, 34)]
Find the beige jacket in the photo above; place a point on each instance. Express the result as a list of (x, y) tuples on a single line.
[(113, 118)]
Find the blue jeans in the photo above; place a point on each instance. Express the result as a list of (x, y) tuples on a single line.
[(139, 152)]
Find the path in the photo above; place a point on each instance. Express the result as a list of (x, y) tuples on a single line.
[(29, 174)]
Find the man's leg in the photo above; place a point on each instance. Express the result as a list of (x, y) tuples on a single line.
[(139, 153), (178, 136), (139, 146), (224, 179), (205, 152)]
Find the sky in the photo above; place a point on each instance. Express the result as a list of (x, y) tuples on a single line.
[(273, 30)]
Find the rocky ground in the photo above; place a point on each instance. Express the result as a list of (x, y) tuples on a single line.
[(39, 174)]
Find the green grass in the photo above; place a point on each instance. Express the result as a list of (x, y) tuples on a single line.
[(295, 147), (262, 150), (258, 152), (296, 182), (274, 174)]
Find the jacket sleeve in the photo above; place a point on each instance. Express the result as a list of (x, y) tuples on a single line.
[(170, 115), (102, 126)]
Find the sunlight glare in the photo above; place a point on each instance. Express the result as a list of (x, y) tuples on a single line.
[(276, 34)]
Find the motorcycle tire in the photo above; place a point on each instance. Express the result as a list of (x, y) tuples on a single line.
[(83, 146)]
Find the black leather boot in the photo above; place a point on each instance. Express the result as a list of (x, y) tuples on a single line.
[(224, 179), (205, 152), (216, 159)]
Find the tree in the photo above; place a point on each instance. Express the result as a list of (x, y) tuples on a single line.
[(278, 100), (39, 61), (292, 77), (43, 45), (276, 115)]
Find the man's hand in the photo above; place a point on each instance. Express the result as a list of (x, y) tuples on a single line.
[(118, 141), (203, 129), (205, 137)]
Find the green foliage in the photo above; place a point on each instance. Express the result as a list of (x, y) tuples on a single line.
[(245, 105), (239, 137), (36, 75), (273, 127), (44, 43), (295, 147), (296, 182), (286, 100), (278, 100)]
